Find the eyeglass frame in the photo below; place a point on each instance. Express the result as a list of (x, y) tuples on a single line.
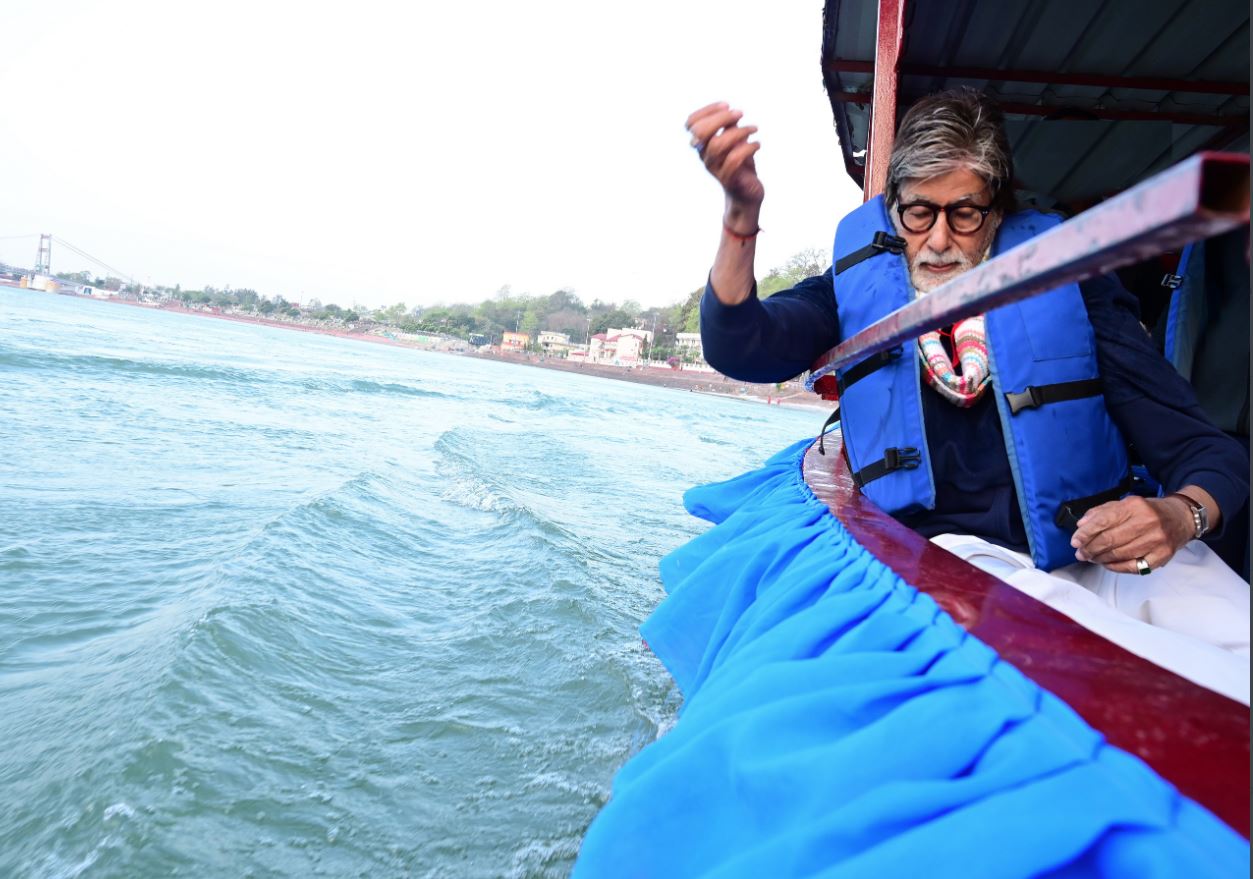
[(944, 209)]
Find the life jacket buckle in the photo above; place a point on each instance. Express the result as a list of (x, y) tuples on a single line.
[(893, 459), (1031, 398), (1172, 282), (907, 458), (1036, 396), (887, 241)]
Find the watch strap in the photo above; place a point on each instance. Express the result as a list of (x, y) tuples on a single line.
[(1200, 516)]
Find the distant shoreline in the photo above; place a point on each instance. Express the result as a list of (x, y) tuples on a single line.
[(716, 384), (792, 394)]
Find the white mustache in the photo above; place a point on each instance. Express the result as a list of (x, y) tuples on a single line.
[(939, 259)]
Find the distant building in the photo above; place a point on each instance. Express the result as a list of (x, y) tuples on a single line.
[(620, 347), (553, 342), (628, 348), (515, 341), (689, 343), (645, 336)]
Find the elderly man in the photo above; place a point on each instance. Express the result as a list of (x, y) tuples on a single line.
[(946, 439)]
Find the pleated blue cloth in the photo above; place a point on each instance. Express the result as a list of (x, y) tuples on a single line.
[(837, 723)]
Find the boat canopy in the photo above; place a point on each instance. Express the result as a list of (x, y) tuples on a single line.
[(1097, 95)]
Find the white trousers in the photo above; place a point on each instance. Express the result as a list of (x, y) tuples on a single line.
[(1191, 616)]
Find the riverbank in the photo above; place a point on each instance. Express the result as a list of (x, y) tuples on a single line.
[(792, 394)]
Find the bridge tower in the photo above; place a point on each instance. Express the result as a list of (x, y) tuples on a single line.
[(43, 263)]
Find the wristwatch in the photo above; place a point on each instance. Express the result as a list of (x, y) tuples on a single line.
[(1200, 516)]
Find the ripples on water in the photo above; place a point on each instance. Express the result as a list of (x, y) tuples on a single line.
[(274, 603)]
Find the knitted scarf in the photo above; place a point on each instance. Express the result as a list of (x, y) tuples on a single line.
[(970, 344)]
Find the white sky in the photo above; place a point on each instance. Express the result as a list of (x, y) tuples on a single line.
[(375, 152)]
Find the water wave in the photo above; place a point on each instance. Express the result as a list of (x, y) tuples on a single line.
[(333, 607), (105, 365)]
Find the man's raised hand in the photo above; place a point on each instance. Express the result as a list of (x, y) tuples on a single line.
[(723, 146)]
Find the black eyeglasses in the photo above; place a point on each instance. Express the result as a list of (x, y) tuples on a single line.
[(962, 217)]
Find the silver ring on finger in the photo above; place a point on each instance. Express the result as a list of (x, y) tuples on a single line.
[(1142, 567)]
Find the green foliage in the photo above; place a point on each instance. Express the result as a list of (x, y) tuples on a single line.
[(689, 311), (614, 319), (800, 266), (394, 314), (530, 322), (561, 311)]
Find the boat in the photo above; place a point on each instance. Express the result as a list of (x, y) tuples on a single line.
[(859, 701)]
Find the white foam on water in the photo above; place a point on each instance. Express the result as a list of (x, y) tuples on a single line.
[(118, 809)]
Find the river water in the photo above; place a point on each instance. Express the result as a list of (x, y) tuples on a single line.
[(281, 604)]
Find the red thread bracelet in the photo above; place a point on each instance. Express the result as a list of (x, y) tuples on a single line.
[(737, 236)]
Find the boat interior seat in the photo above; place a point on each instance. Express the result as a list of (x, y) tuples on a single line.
[(1203, 331)]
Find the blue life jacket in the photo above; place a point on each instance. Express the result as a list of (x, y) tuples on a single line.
[(1065, 452)]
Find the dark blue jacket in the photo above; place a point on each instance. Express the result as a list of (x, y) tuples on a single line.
[(1153, 407)]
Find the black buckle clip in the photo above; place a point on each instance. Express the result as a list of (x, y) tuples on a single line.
[(1031, 398), (1172, 282), (907, 458), (1067, 517), (890, 243)]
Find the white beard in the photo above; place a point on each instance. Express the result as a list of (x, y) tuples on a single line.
[(924, 281)]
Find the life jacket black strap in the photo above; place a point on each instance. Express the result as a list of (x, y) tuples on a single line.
[(1070, 512), (872, 363), (1041, 395), (882, 242), (1172, 282), (893, 459), (822, 434)]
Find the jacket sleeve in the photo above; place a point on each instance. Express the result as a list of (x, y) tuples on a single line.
[(773, 339), (1156, 409)]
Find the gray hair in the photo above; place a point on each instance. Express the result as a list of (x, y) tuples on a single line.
[(951, 130)]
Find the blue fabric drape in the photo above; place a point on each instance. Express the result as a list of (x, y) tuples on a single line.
[(837, 723)]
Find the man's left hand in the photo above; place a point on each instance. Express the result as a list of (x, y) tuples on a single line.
[(1117, 533)]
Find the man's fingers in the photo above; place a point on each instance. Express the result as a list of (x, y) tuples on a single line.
[(1141, 546), (1122, 534), (736, 160), (705, 111), (707, 127), (720, 146), (1099, 518), (1118, 533), (1102, 518)]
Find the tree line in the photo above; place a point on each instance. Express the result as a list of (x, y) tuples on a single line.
[(562, 311)]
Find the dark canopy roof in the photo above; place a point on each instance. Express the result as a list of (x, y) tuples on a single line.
[(1098, 94)]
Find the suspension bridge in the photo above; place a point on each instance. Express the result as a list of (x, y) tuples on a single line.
[(43, 262)]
